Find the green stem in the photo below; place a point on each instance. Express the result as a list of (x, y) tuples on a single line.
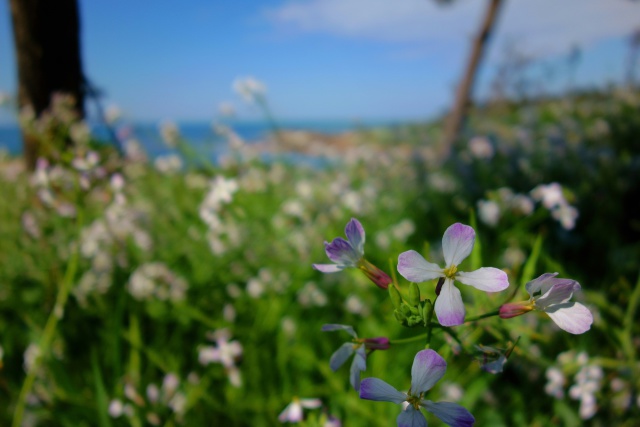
[(482, 316), (408, 340), (48, 332), (430, 324)]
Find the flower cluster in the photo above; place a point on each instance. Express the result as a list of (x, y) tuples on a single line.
[(547, 293)]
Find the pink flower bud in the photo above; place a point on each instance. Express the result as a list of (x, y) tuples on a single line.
[(514, 309), (380, 343)]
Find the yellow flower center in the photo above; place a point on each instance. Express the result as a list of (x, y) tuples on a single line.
[(450, 272)]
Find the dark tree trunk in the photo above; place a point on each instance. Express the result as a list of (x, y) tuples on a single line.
[(47, 45), (463, 94)]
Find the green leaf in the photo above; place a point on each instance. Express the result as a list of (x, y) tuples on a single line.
[(102, 400), (529, 267)]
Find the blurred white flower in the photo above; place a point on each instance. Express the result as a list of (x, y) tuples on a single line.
[(293, 411), (311, 295), (354, 304), (481, 147), (566, 215), (112, 114), (31, 355), (168, 164), (155, 280), (116, 408), (588, 382), (169, 133), (555, 383), (229, 313), (249, 88), (549, 194), (489, 212), (226, 109), (30, 225), (225, 352)]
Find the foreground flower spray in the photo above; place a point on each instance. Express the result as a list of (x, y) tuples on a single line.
[(443, 311)]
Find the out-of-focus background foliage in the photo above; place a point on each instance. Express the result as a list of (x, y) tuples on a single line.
[(155, 267)]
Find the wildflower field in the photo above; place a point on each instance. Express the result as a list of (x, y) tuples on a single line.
[(177, 291)]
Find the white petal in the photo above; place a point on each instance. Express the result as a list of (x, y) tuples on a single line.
[(310, 403), (327, 268), (428, 367), (559, 293), (574, 317), (457, 243), (292, 413), (413, 267), (376, 389), (449, 307), (541, 283), (486, 279)]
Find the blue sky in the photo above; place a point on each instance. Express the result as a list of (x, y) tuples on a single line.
[(324, 59)]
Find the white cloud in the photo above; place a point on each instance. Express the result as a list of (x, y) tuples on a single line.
[(544, 26)]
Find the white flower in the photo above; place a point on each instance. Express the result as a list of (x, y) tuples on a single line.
[(293, 411), (549, 194), (489, 212), (169, 133), (156, 280), (169, 164), (481, 147), (249, 88), (556, 382), (116, 408), (112, 114)]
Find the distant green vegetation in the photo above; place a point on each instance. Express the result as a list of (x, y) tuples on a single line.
[(168, 292)]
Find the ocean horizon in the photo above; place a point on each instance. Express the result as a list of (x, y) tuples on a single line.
[(201, 133)]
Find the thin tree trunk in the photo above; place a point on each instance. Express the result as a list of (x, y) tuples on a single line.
[(47, 45), (464, 92)]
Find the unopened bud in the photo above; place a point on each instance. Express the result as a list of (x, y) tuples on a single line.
[(377, 276), (514, 309), (396, 299)]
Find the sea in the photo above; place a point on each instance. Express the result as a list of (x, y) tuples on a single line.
[(201, 135)]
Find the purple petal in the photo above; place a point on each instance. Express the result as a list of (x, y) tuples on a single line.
[(413, 267), (336, 327), (341, 252), (574, 317), (428, 367), (378, 390), (486, 279), (544, 283), (449, 307), (457, 243), (411, 417), (327, 268), (355, 233), (559, 293), (341, 355), (450, 413), (358, 365)]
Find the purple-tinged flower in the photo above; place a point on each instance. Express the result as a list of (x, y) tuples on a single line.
[(551, 295), (428, 367), (350, 254), (357, 347), (293, 411), (457, 243)]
